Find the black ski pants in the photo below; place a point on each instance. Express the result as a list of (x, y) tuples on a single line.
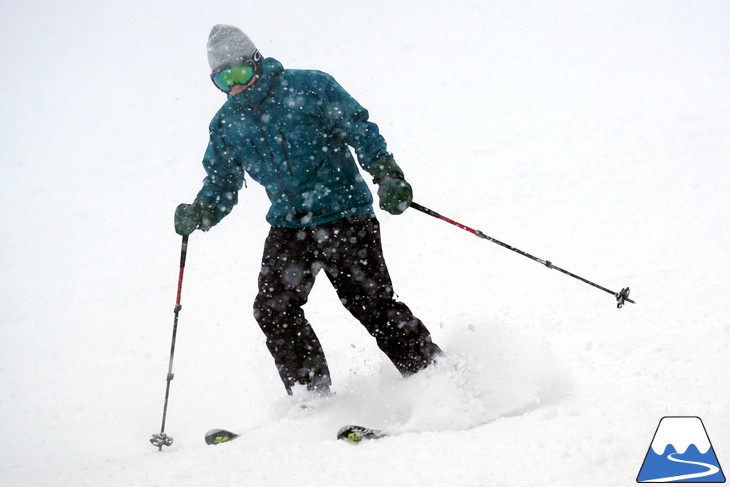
[(350, 253)]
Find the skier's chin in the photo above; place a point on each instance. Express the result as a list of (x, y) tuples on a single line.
[(238, 89)]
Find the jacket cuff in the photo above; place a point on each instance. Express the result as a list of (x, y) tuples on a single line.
[(206, 208), (385, 167)]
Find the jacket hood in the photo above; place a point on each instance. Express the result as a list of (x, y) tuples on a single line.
[(255, 95)]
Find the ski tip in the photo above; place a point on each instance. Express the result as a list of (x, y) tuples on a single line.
[(217, 436), (355, 434)]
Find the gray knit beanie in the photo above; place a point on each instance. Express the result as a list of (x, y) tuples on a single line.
[(227, 46)]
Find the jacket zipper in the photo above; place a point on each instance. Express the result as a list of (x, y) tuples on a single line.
[(286, 153), (288, 194)]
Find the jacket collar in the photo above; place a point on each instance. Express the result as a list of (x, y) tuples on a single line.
[(256, 94)]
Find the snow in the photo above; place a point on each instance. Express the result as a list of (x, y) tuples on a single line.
[(592, 134)]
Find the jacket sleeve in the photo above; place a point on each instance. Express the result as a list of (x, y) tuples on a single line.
[(225, 176), (348, 120)]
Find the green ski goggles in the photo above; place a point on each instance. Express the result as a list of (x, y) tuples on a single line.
[(236, 75)]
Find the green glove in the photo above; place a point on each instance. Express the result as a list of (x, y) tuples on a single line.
[(394, 192), (188, 218)]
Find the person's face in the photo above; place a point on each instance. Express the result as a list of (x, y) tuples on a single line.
[(238, 89)]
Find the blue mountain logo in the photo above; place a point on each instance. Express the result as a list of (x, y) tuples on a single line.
[(681, 452)]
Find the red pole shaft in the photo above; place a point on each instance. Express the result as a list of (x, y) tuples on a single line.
[(183, 255), (179, 287)]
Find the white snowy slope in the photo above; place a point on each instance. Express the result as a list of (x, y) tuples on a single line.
[(592, 134)]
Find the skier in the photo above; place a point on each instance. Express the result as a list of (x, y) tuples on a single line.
[(290, 130)]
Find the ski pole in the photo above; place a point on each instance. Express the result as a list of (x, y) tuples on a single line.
[(161, 439), (621, 297)]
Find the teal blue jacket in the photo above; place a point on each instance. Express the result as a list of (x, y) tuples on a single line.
[(290, 132)]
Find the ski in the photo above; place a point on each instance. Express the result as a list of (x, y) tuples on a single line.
[(351, 433), (355, 434), (217, 436)]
